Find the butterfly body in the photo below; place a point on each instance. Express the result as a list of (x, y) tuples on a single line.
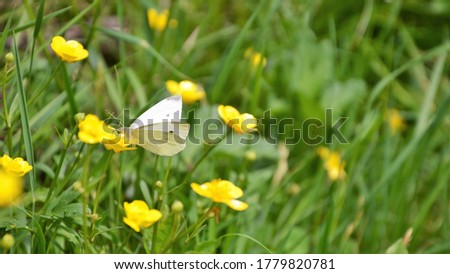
[(159, 129)]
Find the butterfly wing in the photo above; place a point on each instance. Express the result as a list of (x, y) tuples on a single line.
[(165, 139), (167, 110)]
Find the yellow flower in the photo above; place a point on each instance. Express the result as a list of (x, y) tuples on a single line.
[(158, 20), (118, 144), (221, 191), (255, 58), (92, 130), (190, 92), (69, 51), (16, 166), (241, 123), (395, 120), (11, 187), (332, 163), (139, 216)]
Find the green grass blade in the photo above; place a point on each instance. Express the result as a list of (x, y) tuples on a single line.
[(32, 23), (381, 85), (39, 17), (412, 146), (147, 47), (26, 132), (430, 95), (4, 36), (37, 28), (77, 18), (138, 87), (24, 117), (227, 65)]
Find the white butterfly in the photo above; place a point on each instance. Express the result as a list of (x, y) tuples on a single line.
[(159, 129)]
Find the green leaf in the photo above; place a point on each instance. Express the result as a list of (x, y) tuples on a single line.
[(164, 229), (145, 192), (32, 23), (60, 205), (40, 15), (341, 96), (207, 247), (4, 36), (25, 120), (70, 210)]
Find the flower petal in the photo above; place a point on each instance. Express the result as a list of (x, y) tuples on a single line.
[(131, 224), (235, 192), (173, 87), (150, 217), (237, 205), (202, 190)]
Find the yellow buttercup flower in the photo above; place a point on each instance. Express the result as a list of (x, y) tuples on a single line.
[(17, 166), (139, 216), (11, 187), (190, 92), (92, 130), (69, 51), (221, 191), (395, 120), (333, 163), (118, 144), (255, 58), (158, 20), (241, 123)]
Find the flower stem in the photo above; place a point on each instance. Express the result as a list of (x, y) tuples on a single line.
[(5, 107), (69, 91), (100, 184), (58, 168), (188, 231), (127, 240), (158, 204), (97, 193), (209, 148), (85, 196)]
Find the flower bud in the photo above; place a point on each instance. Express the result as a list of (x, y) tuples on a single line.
[(94, 217), (159, 184), (78, 186), (177, 207), (7, 241), (9, 57), (250, 155), (294, 189), (79, 117)]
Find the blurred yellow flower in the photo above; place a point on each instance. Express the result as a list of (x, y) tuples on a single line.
[(158, 20), (92, 130), (221, 191), (395, 120), (332, 163), (241, 123), (255, 58), (69, 51), (118, 144), (11, 187), (190, 92), (139, 216), (16, 166)]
